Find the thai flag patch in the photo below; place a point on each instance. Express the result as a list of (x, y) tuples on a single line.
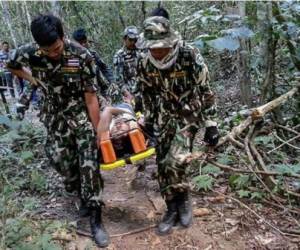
[(73, 62)]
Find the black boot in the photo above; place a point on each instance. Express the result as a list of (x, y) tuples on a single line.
[(170, 218), (184, 206), (99, 233), (83, 209)]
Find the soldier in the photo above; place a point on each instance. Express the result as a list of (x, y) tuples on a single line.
[(125, 61), (6, 76), (70, 112), (172, 85), (102, 68)]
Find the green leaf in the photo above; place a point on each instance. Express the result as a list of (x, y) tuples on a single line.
[(210, 169), (243, 193), (256, 195), (223, 43), (240, 32), (204, 182), (287, 168), (26, 156), (37, 181), (239, 181), (199, 44), (224, 159)]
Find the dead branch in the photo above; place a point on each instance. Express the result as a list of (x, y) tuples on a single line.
[(285, 143), (237, 170), (256, 114), (288, 129), (256, 214)]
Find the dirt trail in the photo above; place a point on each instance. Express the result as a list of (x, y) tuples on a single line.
[(133, 203)]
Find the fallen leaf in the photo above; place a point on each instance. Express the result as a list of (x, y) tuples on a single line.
[(263, 240), (156, 241), (232, 222), (218, 199), (230, 231), (198, 212), (150, 215), (208, 248)]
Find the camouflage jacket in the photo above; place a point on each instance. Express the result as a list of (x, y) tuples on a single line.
[(125, 64), (64, 81), (103, 72), (176, 97)]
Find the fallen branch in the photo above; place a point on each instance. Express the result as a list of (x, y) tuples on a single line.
[(256, 114), (285, 143), (236, 170), (288, 129), (256, 214)]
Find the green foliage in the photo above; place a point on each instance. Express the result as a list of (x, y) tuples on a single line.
[(286, 168), (37, 181), (26, 156), (210, 169), (265, 140), (243, 193), (223, 43), (203, 182), (225, 159), (257, 195), (239, 181)]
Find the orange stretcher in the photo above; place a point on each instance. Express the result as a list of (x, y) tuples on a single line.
[(133, 148)]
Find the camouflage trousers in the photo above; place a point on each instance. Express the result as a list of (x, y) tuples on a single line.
[(172, 170), (73, 153)]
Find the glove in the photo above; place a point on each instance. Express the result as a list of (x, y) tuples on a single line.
[(211, 136), (20, 109)]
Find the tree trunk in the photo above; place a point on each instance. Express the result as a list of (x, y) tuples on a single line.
[(144, 12), (117, 4), (28, 16), (291, 46), (55, 8), (28, 20), (243, 65), (7, 19), (269, 51)]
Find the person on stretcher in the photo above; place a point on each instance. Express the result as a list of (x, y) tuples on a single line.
[(120, 133)]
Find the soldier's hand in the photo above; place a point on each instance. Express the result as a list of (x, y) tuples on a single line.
[(113, 90), (20, 109), (127, 97), (211, 136)]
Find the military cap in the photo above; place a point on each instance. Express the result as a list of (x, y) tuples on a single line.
[(131, 32), (79, 35), (158, 33)]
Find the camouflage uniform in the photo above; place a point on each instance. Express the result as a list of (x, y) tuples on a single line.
[(176, 101), (71, 145), (7, 78), (125, 64), (103, 72)]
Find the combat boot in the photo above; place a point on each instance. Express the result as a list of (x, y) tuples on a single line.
[(170, 218), (99, 233), (184, 206), (83, 209)]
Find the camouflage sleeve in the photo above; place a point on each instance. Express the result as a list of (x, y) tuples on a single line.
[(104, 68), (26, 95), (118, 70), (88, 75), (203, 99), (20, 57), (136, 89)]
